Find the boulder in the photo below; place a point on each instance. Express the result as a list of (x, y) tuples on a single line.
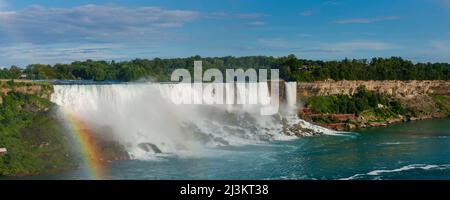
[(149, 147)]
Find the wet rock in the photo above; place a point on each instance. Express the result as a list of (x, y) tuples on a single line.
[(221, 141), (351, 126), (149, 147)]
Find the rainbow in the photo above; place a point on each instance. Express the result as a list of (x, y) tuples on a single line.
[(84, 142)]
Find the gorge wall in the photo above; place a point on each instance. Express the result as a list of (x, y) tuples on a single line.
[(406, 89), (422, 99), (42, 90)]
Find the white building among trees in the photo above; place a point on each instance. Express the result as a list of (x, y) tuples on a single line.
[(3, 151)]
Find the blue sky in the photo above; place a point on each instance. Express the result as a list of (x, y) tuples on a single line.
[(50, 31)]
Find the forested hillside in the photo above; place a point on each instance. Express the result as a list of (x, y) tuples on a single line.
[(291, 69)]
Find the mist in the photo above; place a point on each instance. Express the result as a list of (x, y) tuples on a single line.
[(145, 118)]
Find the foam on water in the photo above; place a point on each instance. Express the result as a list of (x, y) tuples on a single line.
[(398, 170)]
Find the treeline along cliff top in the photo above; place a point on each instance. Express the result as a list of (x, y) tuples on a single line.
[(291, 69)]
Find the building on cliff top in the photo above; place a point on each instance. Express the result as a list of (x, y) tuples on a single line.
[(3, 151)]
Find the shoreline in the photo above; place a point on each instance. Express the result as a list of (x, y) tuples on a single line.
[(61, 174), (113, 154), (348, 127)]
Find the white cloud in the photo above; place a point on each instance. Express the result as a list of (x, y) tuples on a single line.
[(3, 5), (359, 45), (251, 15), (247, 19), (436, 51), (99, 23), (304, 35), (276, 43), (307, 13), (257, 23), (230, 15), (441, 45), (49, 54), (311, 46), (366, 20), (446, 2), (331, 3)]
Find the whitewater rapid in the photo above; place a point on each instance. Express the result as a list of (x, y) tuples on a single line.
[(147, 118)]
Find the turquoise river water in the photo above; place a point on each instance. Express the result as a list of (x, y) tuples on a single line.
[(414, 150)]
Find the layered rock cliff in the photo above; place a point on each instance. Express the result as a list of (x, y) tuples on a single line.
[(423, 99), (42, 90), (407, 89)]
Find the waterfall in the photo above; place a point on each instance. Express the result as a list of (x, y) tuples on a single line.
[(151, 118), (291, 94)]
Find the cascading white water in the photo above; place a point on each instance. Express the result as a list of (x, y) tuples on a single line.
[(293, 125), (291, 94), (136, 114)]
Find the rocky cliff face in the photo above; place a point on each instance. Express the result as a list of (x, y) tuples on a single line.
[(424, 99), (42, 90), (404, 89)]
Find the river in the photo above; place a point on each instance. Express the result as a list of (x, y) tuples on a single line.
[(413, 150)]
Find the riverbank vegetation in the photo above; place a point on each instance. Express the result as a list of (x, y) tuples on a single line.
[(443, 102), (291, 69), (369, 108), (34, 138), (361, 101)]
